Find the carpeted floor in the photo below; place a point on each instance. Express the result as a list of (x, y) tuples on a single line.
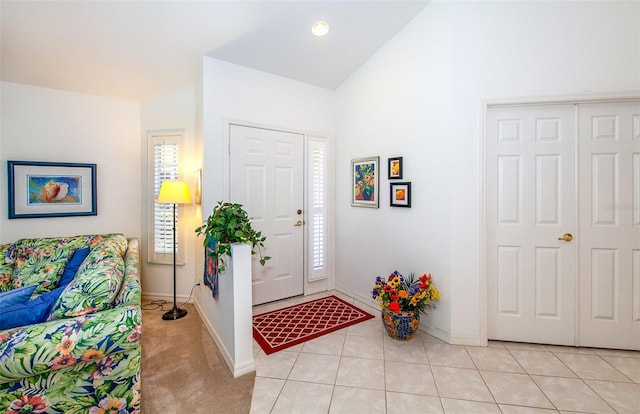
[(183, 370)]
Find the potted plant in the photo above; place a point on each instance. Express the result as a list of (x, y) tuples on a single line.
[(402, 300), (229, 223)]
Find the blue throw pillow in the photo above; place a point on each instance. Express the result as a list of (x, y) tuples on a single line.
[(30, 312), (73, 265), (16, 296), (37, 310)]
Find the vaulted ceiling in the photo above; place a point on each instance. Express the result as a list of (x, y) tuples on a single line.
[(139, 50)]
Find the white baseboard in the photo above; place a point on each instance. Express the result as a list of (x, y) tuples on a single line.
[(237, 370)]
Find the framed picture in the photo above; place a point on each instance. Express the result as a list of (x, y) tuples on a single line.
[(365, 182), (395, 168), (51, 189), (400, 194)]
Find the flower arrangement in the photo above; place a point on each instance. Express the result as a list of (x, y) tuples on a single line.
[(398, 293)]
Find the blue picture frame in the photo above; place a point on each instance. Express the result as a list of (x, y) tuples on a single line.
[(51, 189)]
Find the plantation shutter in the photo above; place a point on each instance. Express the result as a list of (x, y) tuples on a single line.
[(165, 150), (317, 214)]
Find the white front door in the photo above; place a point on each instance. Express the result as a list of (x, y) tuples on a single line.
[(266, 177), (530, 203), (610, 225)]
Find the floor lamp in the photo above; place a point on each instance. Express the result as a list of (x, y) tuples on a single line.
[(174, 192)]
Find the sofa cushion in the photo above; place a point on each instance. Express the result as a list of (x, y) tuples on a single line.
[(93, 289), (40, 265), (15, 296), (6, 268)]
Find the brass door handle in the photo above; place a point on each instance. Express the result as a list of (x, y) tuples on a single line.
[(298, 223), (566, 237)]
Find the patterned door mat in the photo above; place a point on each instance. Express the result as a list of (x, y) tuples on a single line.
[(293, 325)]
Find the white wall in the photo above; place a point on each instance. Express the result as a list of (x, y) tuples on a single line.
[(41, 124), (173, 112), (420, 97)]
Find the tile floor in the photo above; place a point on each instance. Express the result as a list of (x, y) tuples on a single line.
[(361, 370)]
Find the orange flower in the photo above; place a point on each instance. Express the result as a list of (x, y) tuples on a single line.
[(66, 345), (90, 354), (403, 294)]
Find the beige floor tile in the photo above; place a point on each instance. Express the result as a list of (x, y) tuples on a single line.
[(405, 351), (361, 373), (277, 365), (541, 363), (326, 345), (495, 344), (265, 393), (426, 338), (369, 347), (348, 400), (449, 355), (315, 368), (493, 359), (371, 327), (303, 397), (460, 383), (572, 394), (409, 378), (412, 403), (617, 353), (624, 397), (628, 366), (591, 367), (516, 389), (514, 409), (452, 406)]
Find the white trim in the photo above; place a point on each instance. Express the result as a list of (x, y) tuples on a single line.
[(563, 99)]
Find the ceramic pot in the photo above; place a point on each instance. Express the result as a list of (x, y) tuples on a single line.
[(400, 325)]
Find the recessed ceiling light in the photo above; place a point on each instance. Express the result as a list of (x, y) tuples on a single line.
[(319, 28)]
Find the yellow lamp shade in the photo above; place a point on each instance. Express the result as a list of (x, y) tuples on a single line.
[(174, 192)]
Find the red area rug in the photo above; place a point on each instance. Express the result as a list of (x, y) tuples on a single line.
[(283, 328)]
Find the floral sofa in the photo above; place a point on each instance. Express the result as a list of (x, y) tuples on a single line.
[(85, 356)]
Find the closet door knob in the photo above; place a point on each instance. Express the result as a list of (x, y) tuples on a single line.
[(566, 237)]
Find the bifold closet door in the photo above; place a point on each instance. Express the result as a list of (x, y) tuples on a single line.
[(609, 183), (530, 207)]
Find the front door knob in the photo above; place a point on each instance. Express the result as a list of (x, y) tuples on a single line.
[(566, 237), (298, 223)]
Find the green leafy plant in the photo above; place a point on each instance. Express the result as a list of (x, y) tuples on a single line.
[(229, 223)]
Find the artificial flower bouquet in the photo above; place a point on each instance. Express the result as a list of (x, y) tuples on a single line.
[(410, 294)]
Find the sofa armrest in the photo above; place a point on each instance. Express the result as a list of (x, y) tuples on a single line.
[(130, 292), (57, 344)]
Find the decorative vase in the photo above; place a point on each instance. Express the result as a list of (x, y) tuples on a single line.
[(400, 325)]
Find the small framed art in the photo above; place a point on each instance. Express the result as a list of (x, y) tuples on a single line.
[(51, 189), (395, 168), (400, 194), (365, 182)]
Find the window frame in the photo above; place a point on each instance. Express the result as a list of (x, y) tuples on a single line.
[(154, 138)]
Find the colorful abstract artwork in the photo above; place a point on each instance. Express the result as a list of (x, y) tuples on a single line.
[(364, 191), (400, 194), (395, 168)]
